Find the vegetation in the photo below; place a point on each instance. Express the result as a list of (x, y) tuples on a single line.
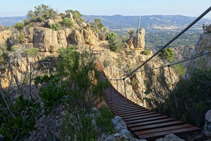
[(20, 38), (193, 98), (146, 52), (26, 22), (56, 26), (179, 69), (115, 42), (67, 22), (73, 83), (97, 24), (13, 48), (1, 27), (130, 32), (76, 15), (167, 54), (41, 13), (31, 51), (19, 26)]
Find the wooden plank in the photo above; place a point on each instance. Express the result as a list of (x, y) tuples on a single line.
[(124, 113), (161, 134), (152, 122), (143, 117), (138, 115), (166, 124), (129, 111), (162, 129), (153, 118), (136, 118), (125, 110)]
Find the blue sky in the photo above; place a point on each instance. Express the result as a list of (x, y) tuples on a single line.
[(110, 7)]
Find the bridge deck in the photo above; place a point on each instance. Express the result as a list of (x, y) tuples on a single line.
[(144, 123)]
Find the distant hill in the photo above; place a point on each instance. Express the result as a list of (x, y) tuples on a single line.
[(10, 21), (153, 22), (119, 22)]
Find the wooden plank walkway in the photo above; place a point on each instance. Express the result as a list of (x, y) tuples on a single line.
[(144, 123)]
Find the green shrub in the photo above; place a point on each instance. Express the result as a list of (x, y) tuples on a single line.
[(19, 26), (41, 13), (31, 51), (111, 35), (115, 43), (56, 26), (104, 121), (193, 96), (167, 54), (76, 15), (146, 52), (67, 22), (179, 69), (83, 97), (130, 32), (7, 27), (26, 22), (13, 48), (52, 49), (20, 38)]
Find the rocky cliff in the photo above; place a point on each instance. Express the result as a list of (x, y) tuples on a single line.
[(203, 46), (139, 87)]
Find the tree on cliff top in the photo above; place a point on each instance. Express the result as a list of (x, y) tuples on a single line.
[(41, 13)]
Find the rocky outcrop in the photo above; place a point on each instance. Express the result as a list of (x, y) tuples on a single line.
[(155, 83), (89, 37), (207, 127), (203, 46), (4, 35), (139, 40), (170, 137)]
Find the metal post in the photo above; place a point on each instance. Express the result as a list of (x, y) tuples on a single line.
[(118, 96), (127, 102), (173, 91), (138, 31)]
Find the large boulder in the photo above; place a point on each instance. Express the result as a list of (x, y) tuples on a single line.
[(47, 39), (4, 35), (76, 37), (130, 41), (89, 37), (208, 29), (170, 137), (207, 127), (119, 124)]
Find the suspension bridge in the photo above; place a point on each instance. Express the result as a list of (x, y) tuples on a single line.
[(142, 122)]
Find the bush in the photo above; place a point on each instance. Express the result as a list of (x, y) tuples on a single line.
[(41, 13), (97, 24), (130, 32), (83, 96), (31, 51), (1, 27), (76, 15), (146, 52), (13, 48), (56, 26), (167, 54), (111, 35), (67, 22), (19, 26), (26, 22), (193, 98), (20, 38), (7, 27), (179, 69), (115, 43)]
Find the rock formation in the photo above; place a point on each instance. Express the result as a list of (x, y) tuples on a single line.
[(4, 35), (203, 46)]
